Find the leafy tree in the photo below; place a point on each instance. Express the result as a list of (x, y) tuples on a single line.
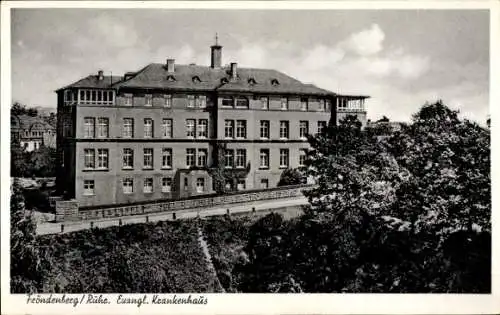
[(220, 175), (388, 215), (21, 109), (18, 165), (28, 265), (291, 176)]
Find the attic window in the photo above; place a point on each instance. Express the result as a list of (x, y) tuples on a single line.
[(170, 78), (251, 81), (224, 80), (275, 82), (196, 79)]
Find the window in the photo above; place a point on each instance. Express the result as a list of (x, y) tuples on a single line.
[(128, 127), (241, 129), (201, 101), (322, 105), (264, 129), (166, 158), (229, 185), (284, 129), (67, 128), (242, 102), (148, 185), (166, 184), (304, 103), (168, 100), (321, 127), (241, 185), (275, 82), (303, 128), (200, 185), (264, 158), (185, 183), (241, 158), (190, 157), (89, 127), (88, 187), (102, 158), (128, 158), (202, 157), (284, 158), (103, 127), (148, 100), (190, 126), (148, 128), (148, 158), (302, 157), (128, 185), (264, 183), (166, 128), (202, 128), (284, 103), (227, 101), (89, 158), (190, 101), (128, 100), (264, 102), (229, 158), (229, 128), (342, 103)]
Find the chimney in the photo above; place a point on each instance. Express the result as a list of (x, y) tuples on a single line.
[(216, 54), (234, 67), (170, 65), (100, 75)]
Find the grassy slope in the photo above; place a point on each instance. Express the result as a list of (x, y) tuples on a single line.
[(157, 257)]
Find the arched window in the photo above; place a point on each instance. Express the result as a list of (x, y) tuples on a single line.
[(275, 82), (170, 78), (196, 79)]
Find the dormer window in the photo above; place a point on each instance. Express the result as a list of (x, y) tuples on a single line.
[(224, 80), (251, 81), (275, 82), (196, 79), (170, 78)]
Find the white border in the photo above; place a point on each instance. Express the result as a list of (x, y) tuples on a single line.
[(264, 303)]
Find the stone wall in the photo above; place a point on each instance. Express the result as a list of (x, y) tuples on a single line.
[(66, 209)]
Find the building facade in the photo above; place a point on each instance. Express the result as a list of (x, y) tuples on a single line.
[(154, 133), (32, 132)]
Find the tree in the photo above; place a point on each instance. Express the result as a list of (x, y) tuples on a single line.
[(21, 109), (291, 176), (27, 266), (221, 174), (388, 215)]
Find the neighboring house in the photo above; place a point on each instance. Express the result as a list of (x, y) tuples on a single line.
[(32, 132), (153, 133)]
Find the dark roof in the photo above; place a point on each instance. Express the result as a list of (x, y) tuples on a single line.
[(154, 76), (92, 81), (27, 122)]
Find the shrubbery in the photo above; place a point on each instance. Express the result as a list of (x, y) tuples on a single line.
[(157, 257)]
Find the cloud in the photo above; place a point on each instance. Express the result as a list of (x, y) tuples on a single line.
[(366, 42), (398, 80)]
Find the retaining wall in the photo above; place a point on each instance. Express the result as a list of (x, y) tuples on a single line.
[(68, 210)]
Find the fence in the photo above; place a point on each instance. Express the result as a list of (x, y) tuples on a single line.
[(68, 210)]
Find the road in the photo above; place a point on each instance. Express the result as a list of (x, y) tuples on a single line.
[(66, 227)]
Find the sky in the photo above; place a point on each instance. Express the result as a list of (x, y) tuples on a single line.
[(400, 58)]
